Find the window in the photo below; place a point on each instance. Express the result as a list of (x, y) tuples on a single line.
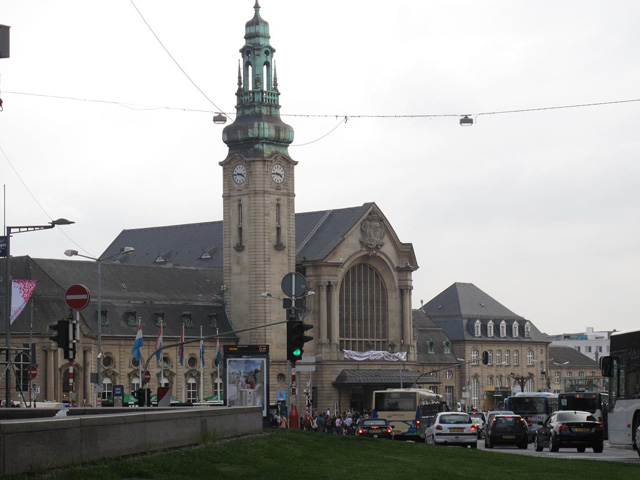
[(593, 374), (516, 360), (490, 328), (192, 362), (507, 382), (556, 377), (448, 393), (581, 374), (474, 357), (569, 375), (499, 381), (478, 328), (107, 388), (430, 347), (166, 362), (514, 329), (135, 384), (578, 349), (192, 390), (503, 329), (489, 380), (529, 386), (363, 305), (446, 346), (529, 357), (589, 349), (506, 357), (498, 357), (527, 330), (107, 361), (448, 374), (474, 391), (490, 352), (164, 382)]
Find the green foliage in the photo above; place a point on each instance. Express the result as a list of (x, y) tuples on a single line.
[(282, 455)]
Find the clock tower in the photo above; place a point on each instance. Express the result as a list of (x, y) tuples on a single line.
[(258, 196)]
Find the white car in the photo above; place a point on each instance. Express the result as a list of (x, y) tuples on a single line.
[(452, 428)]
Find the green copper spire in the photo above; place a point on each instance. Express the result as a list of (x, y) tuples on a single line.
[(257, 130)]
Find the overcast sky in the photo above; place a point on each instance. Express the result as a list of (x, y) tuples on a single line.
[(538, 209)]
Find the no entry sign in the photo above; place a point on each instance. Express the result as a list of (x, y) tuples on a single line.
[(77, 297)]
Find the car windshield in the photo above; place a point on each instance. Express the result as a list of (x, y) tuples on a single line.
[(455, 419), (576, 417), (507, 421), (376, 422)]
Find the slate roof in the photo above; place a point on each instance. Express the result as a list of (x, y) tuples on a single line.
[(386, 378), (561, 354), (457, 309), (430, 332), (147, 290), (317, 234)]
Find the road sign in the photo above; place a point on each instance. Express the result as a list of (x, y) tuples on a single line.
[(294, 284), (305, 368), (77, 297), (33, 371), (147, 376)]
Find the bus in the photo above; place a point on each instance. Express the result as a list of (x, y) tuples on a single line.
[(406, 409), (534, 407), (622, 369), (595, 403)]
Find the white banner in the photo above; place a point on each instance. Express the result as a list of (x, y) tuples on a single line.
[(21, 291), (375, 355)]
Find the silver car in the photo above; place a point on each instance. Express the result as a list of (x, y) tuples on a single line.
[(452, 428)]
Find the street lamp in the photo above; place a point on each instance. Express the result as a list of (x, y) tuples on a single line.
[(522, 380), (74, 253), (11, 230)]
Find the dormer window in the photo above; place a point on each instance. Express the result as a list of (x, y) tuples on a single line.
[(515, 330), (490, 328), (160, 259), (446, 346), (205, 256), (431, 347), (503, 329), (187, 319), (527, 330), (477, 328), (159, 319)]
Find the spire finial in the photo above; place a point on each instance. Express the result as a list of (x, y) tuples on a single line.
[(256, 6)]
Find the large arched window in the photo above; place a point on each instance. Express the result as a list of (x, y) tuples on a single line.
[(363, 310)]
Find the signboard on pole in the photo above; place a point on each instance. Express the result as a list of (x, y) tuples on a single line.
[(77, 297)]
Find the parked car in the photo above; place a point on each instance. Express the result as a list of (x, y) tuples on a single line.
[(575, 429), (374, 427), (452, 428), (493, 413), (507, 430)]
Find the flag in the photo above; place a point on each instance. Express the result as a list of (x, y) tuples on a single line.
[(21, 291), (137, 344), (159, 346), (217, 351), (181, 347), (202, 351)]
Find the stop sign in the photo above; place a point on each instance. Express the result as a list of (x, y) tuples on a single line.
[(33, 371), (147, 376), (77, 297)]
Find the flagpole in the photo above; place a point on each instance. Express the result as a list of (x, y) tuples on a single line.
[(181, 349), (161, 363), (201, 368), (140, 362), (218, 363)]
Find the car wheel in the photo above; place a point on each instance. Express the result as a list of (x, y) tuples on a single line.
[(554, 446), (524, 445), (538, 445), (598, 448), (581, 449)]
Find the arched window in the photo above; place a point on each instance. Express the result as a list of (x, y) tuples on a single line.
[(107, 388), (503, 329), (516, 357), (490, 328), (498, 357), (474, 391), (527, 330), (529, 357), (507, 358), (363, 304), (135, 384), (477, 328), (474, 356), (515, 330)]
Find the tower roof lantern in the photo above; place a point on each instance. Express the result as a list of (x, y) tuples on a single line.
[(257, 29)]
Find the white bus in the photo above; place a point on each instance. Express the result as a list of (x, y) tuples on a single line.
[(406, 409), (534, 407), (622, 368)]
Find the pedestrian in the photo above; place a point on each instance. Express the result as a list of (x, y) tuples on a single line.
[(284, 423)]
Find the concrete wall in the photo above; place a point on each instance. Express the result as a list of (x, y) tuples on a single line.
[(27, 445)]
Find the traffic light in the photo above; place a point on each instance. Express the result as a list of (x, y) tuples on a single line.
[(296, 339), (62, 336)]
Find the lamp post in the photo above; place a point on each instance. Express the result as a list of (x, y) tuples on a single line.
[(522, 380), (11, 230), (74, 253)]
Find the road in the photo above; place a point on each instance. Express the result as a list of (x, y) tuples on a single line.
[(610, 454)]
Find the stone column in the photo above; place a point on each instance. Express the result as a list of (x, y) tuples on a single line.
[(406, 315), (335, 310), (50, 368), (323, 323)]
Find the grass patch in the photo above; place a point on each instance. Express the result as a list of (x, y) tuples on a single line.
[(298, 455)]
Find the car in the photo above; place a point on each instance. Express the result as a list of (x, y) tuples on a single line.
[(478, 422), (375, 428), (493, 413), (567, 429), (507, 430), (452, 428)]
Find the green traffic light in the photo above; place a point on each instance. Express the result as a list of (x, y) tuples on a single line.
[(297, 352)]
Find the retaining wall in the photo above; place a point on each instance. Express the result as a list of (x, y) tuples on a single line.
[(34, 444)]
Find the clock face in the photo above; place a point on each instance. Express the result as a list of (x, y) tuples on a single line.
[(240, 174), (277, 173)]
